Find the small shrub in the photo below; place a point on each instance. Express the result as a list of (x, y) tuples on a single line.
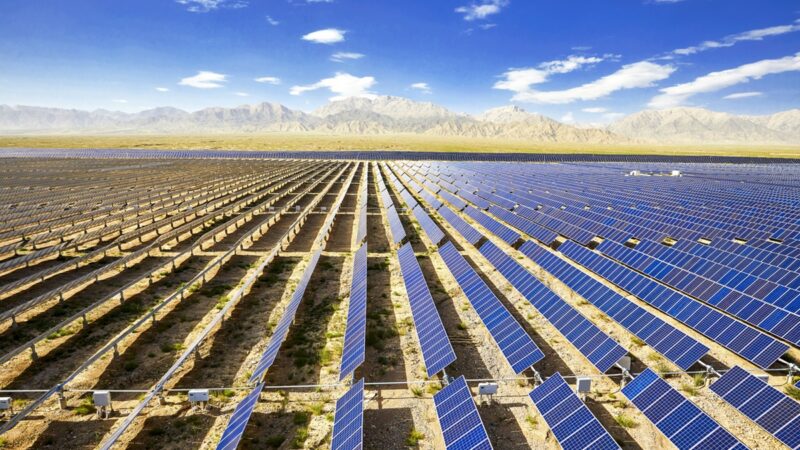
[(532, 420), (300, 418), (625, 421), (416, 391), (793, 392), (300, 437), (414, 436)]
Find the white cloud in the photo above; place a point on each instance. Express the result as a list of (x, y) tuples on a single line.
[(487, 26), (342, 56), (423, 87), (272, 21), (738, 95), (343, 85), (482, 10), (637, 75), (731, 40), (202, 6), (162, 89), (119, 100), (205, 80), (520, 80), (241, 94), (594, 110), (268, 80), (568, 118), (326, 36), (715, 81)]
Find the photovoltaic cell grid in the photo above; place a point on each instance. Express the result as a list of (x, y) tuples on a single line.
[(526, 226), (683, 423), (395, 226), (437, 352), (745, 341), (755, 312), (361, 234), (238, 422), (572, 423), (461, 424), (282, 330), (435, 234), (354, 336), (348, 422), (466, 230), (596, 346), (762, 403), (505, 233), (666, 339), (515, 344)]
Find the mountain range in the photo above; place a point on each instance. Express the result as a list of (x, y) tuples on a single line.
[(397, 115)]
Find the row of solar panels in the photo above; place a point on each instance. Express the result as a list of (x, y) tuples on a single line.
[(786, 427), (764, 353)]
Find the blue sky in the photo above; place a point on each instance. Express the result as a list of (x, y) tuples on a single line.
[(586, 61)]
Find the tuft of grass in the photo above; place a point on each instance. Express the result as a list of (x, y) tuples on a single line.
[(414, 436), (3, 442), (417, 391), (532, 420), (637, 342), (300, 418), (175, 347), (792, 391), (316, 408), (462, 325), (690, 389), (85, 408), (300, 437), (625, 421)]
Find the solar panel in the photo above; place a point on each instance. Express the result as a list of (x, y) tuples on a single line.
[(666, 339), (461, 424), (742, 340), (348, 422), (466, 230), (434, 202), (408, 198), (238, 422), (435, 234), (517, 347), (355, 333), (599, 348), (395, 226), (282, 330), (437, 352), (457, 203), (761, 403), (573, 425), (526, 226), (505, 233), (683, 423)]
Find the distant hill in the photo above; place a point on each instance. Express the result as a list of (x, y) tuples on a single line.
[(391, 115)]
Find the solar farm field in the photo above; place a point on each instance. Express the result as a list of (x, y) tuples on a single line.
[(187, 300)]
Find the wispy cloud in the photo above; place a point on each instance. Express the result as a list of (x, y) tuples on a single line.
[(272, 21), (268, 80), (119, 100), (325, 36), (594, 110), (637, 75), (731, 40), (342, 84), (162, 89), (203, 6), (715, 81), (422, 87), (344, 56), (479, 11), (205, 80), (568, 118), (521, 80), (241, 94), (738, 95)]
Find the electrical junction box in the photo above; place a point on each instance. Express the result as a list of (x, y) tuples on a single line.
[(101, 398), (5, 403), (584, 385), (487, 388), (198, 396)]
